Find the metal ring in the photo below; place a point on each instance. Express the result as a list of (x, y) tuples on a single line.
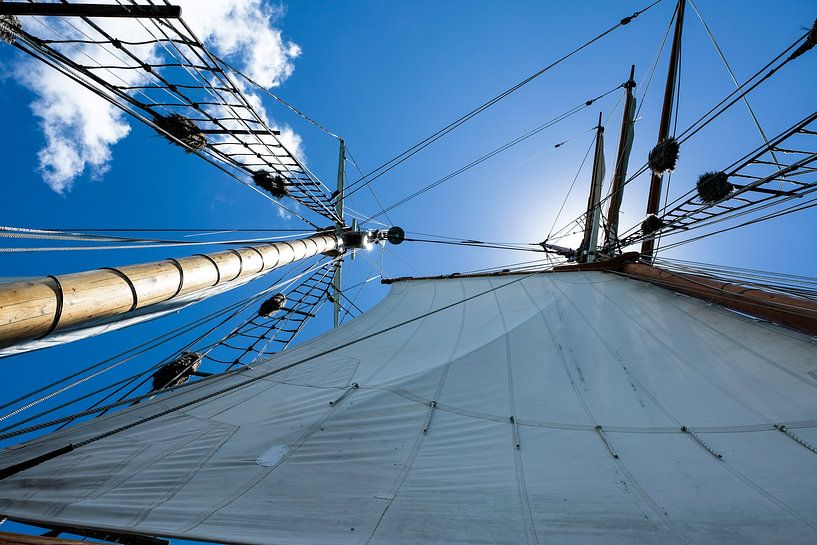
[(181, 276), (58, 310), (256, 250), (240, 263), (291, 248), (213, 261), (128, 281), (313, 241)]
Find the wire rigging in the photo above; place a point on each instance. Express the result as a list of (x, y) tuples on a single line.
[(734, 79), (689, 212), (561, 117), (722, 106), (230, 311), (210, 115), (410, 152)]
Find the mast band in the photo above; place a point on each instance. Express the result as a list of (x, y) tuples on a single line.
[(213, 261), (57, 311), (129, 282), (181, 276)]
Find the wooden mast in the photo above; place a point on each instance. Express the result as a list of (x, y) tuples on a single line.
[(654, 198), (776, 307), (336, 279), (625, 143), (587, 251), (37, 308)]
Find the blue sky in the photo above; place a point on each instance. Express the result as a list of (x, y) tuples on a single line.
[(384, 75)]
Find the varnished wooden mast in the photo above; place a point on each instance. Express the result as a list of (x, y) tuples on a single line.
[(587, 250), (37, 308), (622, 159), (22, 539), (654, 198), (336, 279), (780, 308), (777, 307)]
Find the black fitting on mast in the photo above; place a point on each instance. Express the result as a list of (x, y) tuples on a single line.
[(654, 197), (354, 239), (90, 10)]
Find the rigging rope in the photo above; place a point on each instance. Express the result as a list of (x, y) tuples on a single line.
[(401, 157), (734, 79), (6, 232), (718, 109), (142, 348), (478, 244), (561, 117), (8, 471), (241, 143)]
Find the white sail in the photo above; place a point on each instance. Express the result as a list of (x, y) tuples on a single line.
[(424, 449)]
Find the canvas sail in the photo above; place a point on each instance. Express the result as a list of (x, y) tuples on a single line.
[(475, 420)]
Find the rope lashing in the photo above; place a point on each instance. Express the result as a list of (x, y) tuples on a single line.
[(346, 394), (10, 28), (515, 426), (797, 439), (431, 407), (603, 436), (701, 442)]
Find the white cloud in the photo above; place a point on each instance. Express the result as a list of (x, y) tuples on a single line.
[(243, 29), (80, 128)]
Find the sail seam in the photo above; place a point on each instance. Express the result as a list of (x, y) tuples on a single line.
[(420, 439), (642, 492), (531, 534)]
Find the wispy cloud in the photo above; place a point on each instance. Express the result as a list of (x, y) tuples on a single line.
[(81, 128)]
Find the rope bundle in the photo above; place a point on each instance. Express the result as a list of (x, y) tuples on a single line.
[(652, 224), (276, 185), (272, 305), (177, 371), (183, 129), (713, 186), (664, 156), (10, 28)]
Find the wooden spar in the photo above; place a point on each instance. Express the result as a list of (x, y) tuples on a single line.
[(7, 538), (591, 223), (37, 308), (336, 279), (89, 10), (625, 142), (781, 308), (654, 198), (776, 307)]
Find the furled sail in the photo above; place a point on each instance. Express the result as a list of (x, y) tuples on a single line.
[(575, 407)]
